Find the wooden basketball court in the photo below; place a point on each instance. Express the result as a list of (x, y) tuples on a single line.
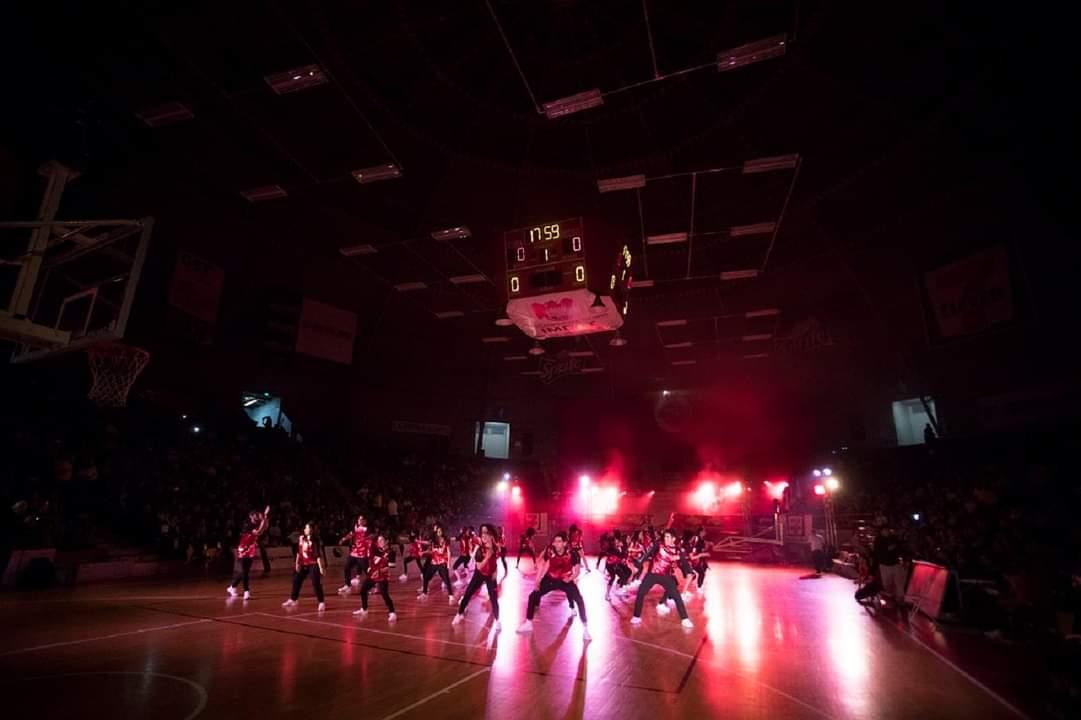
[(766, 645)]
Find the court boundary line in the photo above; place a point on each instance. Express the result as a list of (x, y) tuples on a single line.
[(437, 693), (373, 630), (111, 636), (964, 673), (204, 697)]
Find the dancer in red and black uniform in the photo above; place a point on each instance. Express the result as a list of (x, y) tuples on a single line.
[(665, 558), (358, 553), (247, 550), (606, 539), (698, 555), (559, 568), (501, 545), (483, 574), (309, 562), (525, 547), (439, 561), (465, 545), (615, 563), (635, 550), (414, 552), (378, 578), (577, 544)]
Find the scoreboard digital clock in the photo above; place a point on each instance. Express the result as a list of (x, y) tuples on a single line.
[(545, 257), (547, 282)]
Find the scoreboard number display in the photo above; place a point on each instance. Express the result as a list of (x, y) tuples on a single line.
[(545, 257)]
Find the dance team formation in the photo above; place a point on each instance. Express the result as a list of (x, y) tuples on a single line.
[(634, 562)]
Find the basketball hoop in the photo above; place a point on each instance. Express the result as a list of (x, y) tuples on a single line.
[(113, 369)]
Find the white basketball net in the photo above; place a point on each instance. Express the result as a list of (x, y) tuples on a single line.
[(113, 369)]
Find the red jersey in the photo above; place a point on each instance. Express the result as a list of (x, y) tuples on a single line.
[(249, 545), (486, 565), (379, 569), (525, 541), (306, 554), (666, 559), (615, 554), (464, 544), (474, 542), (635, 550), (560, 565), (575, 539), (362, 544), (416, 548), (440, 554)]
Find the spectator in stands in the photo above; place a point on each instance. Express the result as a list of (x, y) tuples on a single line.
[(892, 570)]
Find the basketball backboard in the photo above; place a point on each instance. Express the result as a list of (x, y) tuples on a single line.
[(67, 284)]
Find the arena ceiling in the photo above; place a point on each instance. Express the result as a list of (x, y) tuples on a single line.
[(901, 133)]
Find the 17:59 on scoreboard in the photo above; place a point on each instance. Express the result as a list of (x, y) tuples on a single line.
[(545, 258)]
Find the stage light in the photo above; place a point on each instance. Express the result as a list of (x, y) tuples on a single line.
[(501, 486), (776, 489), (376, 173), (516, 491), (733, 489), (295, 80), (573, 103), (665, 393), (916, 517), (652, 493), (618, 340), (769, 164), (536, 349), (752, 52), (666, 238), (504, 322), (739, 274), (583, 480), (455, 233), (763, 228), (630, 182), (506, 476), (827, 472), (196, 429), (183, 417), (817, 472), (833, 484), (820, 489)]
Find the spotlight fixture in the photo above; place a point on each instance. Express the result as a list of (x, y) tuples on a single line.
[(261, 194), (671, 323), (388, 171), (739, 274), (630, 182), (617, 340), (768, 164), (455, 233), (297, 79), (641, 283), (757, 336), (752, 52), (536, 349), (364, 249), (573, 103), (766, 312), (467, 279), (504, 322), (763, 228), (666, 238)]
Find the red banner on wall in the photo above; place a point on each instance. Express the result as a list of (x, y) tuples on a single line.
[(197, 287), (326, 331), (971, 294)]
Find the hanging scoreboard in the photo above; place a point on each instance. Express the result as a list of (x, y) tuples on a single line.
[(545, 257), (547, 282)]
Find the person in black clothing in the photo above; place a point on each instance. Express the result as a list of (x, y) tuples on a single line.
[(887, 554)]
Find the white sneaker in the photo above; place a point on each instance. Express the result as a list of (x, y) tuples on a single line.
[(663, 610), (289, 603), (231, 590), (355, 582), (497, 626), (343, 590), (361, 612), (322, 607), (670, 602), (403, 577), (450, 600), (526, 627), (586, 637), (636, 620), (422, 596), (393, 617), (687, 623), (457, 619), (687, 596), (571, 612), (247, 595)]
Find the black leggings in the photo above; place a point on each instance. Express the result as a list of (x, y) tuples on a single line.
[(431, 571), (547, 585), (668, 582), (361, 564), (526, 550), (243, 571), (462, 560), (384, 589), (620, 572), (474, 585), (409, 559), (700, 570), (317, 581), (503, 557)]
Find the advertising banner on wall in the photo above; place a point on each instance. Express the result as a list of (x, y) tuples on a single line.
[(326, 332), (972, 294)]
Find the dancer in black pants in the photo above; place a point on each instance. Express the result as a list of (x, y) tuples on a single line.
[(247, 549), (483, 574), (501, 546), (438, 561), (465, 543), (378, 578), (358, 553), (698, 553), (525, 547), (558, 570), (414, 552), (615, 564), (309, 562), (665, 558)]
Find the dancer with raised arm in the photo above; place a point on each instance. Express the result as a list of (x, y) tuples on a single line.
[(248, 549), (558, 571)]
